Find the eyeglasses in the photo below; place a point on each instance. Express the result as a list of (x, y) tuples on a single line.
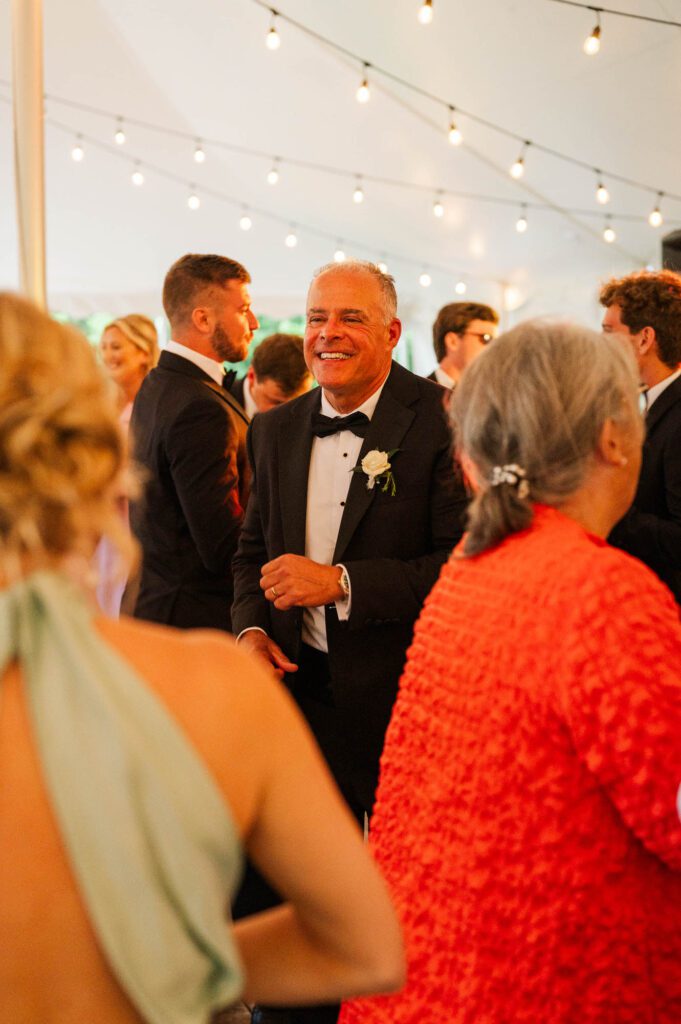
[(484, 338)]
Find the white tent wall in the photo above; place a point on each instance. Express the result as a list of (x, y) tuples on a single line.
[(203, 69)]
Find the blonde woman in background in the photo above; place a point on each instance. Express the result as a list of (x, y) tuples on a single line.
[(136, 760), (129, 350)]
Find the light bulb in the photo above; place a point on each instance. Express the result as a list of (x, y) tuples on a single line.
[(460, 287), (193, 202), (291, 240), (454, 135), (609, 234), (199, 154), (592, 43), (425, 280), (655, 218), (339, 256), (438, 209), (245, 223), (425, 14), (383, 267), (358, 195), (517, 169), (119, 135), (137, 177), (602, 194), (77, 153), (364, 92), (273, 39), (521, 224), (273, 175)]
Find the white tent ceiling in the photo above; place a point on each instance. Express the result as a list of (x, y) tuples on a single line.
[(203, 69)]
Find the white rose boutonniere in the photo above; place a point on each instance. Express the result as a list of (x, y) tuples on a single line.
[(377, 467)]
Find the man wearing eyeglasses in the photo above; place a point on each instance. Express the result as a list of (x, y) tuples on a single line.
[(460, 332)]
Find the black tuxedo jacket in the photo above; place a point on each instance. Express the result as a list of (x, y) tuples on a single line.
[(393, 547), (651, 529), (189, 437)]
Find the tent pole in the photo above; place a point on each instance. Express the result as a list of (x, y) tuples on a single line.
[(27, 75)]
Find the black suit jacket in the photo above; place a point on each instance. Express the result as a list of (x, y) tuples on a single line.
[(651, 529), (189, 437), (393, 548), (236, 389)]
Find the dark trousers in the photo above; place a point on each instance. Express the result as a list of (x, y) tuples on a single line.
[(311, 688)]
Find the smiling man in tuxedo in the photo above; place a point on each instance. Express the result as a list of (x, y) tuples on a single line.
[(189, 436), (334, 561)]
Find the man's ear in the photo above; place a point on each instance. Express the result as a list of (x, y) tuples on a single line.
[(451, 340), (250, 376), (647, 342), (394, 331), (202, 320)]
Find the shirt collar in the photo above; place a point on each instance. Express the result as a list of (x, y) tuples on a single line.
[(368, 407), (210, 366), (443, 378), (249, 402), (657, 389)]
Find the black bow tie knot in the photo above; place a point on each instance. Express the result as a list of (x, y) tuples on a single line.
[(324, 426)]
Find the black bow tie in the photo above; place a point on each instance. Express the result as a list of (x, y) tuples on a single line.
[(324, 426)]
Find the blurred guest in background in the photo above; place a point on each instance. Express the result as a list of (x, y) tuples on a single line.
[(129, 349), (645, 309), (276, 375), (135, 759), (460, 333), (526, 811)]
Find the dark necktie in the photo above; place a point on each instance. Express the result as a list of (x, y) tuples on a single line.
[(324, 426)]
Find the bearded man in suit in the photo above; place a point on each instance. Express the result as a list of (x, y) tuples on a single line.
[(355, 506), (645, 308), (189, 435)]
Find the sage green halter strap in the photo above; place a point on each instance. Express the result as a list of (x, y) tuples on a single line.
[(149, 837)]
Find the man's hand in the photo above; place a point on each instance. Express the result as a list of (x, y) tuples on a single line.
[(292, 581), (256, 642)]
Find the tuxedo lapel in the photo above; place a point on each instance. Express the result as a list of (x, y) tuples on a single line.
[(669, 397), (229, 400), (294, 445), (389, 424)]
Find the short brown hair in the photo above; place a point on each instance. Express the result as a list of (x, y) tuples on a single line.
[(456, 317), (279, 357), (190, 275), (650, 299)]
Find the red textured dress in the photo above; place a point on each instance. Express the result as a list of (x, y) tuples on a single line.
[(526, 815)]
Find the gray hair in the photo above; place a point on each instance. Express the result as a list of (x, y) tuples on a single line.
[(385, 281), (536, 400)]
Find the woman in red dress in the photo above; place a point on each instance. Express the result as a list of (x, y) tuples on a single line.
[(526, 815)]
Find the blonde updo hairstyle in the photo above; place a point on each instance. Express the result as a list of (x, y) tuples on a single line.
[(537, 398), (140, 330), (61, 449)]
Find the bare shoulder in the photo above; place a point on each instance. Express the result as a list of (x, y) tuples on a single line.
[(225, 700)]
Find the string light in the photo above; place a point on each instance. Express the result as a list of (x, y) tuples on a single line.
[(273, 39), (358, 194), (438, 208), (425, 280), (602, 194), (339, 255), (77, 153), (425, 14), (453, 134), (592, 43), (245, 222), (609, 233), (291, 240), (273, 173), (655, 217), (517, 169), (193, 201), (119, 134), (521, 223), (137, 177), (382, 266), (199, 153), (364, 92), (460, 287)]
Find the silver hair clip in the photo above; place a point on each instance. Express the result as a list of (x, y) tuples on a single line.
[(513, 475)]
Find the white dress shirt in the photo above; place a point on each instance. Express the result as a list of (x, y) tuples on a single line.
[(442, 377), (657, 389), (332, 460), (210, 366), (250, 407)]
